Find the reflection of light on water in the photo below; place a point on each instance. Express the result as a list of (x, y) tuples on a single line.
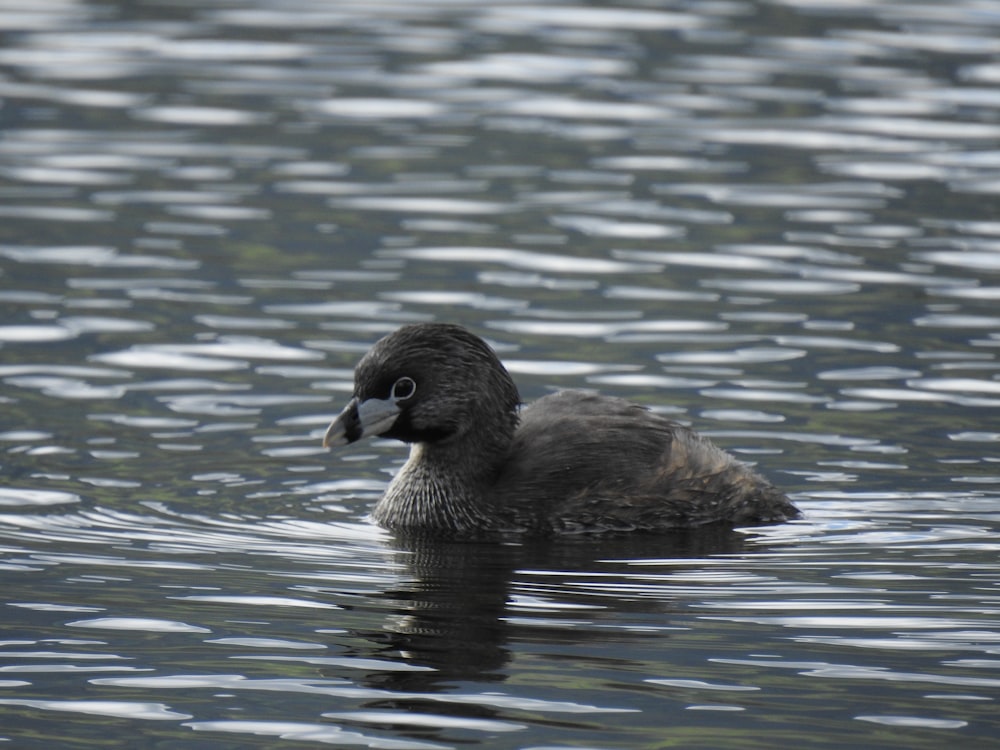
[(780, 222)]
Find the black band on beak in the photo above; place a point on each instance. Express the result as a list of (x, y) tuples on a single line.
[(351, 422)]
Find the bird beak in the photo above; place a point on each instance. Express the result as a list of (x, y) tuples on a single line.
[(360, 419)]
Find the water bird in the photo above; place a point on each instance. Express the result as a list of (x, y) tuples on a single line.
[(571, 462)]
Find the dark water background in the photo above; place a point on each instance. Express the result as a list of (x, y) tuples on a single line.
[(774, 220)]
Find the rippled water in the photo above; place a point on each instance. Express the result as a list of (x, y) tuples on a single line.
[(774, 220)]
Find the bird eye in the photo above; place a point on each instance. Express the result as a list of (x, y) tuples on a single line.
[(403, 389)]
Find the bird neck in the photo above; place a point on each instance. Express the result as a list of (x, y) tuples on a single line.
[(444, 487)]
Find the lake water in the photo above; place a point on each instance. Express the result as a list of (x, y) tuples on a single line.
[(776, 221)]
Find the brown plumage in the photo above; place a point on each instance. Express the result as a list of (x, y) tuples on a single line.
[(570, 462)]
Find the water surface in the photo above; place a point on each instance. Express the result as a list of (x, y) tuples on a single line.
[(775, 221)]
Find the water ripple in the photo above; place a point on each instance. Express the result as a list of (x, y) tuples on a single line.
[(10, 496), (776, 221), (116, 709), (101, 257), (520, 259)]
